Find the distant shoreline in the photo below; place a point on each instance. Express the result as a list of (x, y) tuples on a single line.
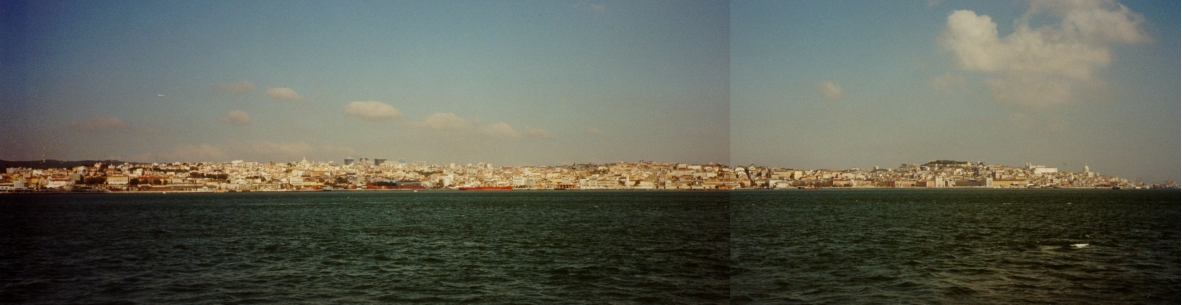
[(572, 190)]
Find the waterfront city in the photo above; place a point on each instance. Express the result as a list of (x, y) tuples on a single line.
[(383, 174)]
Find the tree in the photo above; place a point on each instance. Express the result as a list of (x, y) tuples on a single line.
[(94, 180)]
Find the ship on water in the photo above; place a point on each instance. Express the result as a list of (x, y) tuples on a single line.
[(395, 185)]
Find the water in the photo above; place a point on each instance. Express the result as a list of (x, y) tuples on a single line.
[(367, 247), (956, 246), (830, 247)]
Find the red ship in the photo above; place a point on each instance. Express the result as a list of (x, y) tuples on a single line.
[(486, 188)]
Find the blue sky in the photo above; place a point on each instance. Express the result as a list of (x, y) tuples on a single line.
[(804, 84), (820, 84), (535, 82)]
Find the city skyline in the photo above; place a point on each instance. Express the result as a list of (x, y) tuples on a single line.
[(798, 84)]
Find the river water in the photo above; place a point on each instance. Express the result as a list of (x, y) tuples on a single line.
[(545, 247)]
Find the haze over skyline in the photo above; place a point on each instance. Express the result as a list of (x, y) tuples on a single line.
[(804, 84)]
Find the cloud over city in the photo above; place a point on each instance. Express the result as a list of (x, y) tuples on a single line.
[(449, 122), (283, 94), (1043, 66), (236, 117), (500, 130), (372, 111), (536, 133), (830, 90), (442, 121)]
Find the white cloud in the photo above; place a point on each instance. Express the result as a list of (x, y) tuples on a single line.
[(95, 124), (1041, 66), (236, 87), (372, 111), (500, 130), (596, 131), (468, 128), (236, 117), (536, 133), (283, 94), (442, 121), (830, 90)]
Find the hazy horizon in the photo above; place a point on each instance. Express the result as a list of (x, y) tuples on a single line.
[(802, 84)]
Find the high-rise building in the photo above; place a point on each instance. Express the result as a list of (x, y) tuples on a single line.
[(379, 161), (349, 161)]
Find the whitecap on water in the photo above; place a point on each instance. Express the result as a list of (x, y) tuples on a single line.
[(1079, 246)]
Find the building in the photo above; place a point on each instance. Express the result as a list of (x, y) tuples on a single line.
[(349, 161), (118, 180)]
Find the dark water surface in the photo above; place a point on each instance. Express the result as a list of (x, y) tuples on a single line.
[(956, 247), (350, 247), (835, 247)]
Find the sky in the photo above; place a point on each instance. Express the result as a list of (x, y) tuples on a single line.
[(503, 82), (800, 84), (843, 84)]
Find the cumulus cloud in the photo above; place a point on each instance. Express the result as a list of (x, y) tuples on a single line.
[(283, 94), (830, 90), (1042, 66), (101, 124), (536, 133), (596, 131), (236, 87), (236, 117), (442, 121), (449, 122), (372, 111), (500, 130)]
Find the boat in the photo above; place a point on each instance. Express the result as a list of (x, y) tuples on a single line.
[(485, 188)]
